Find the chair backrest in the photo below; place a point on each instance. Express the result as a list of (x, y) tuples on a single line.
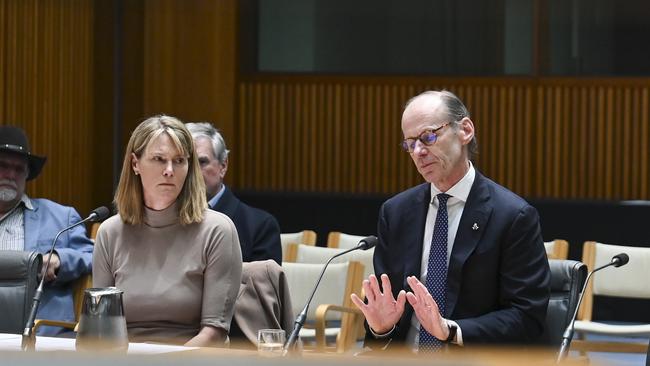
[(567, 279), (336, 239), (312, 254), (339, 281), (617, 282), (557, 249), (19, 273), (307, 237), (302, 237), (93, 230), (78, 288)]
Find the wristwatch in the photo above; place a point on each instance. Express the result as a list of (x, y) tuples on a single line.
[(452, 333)]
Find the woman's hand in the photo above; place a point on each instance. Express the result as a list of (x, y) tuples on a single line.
[(208, 337)]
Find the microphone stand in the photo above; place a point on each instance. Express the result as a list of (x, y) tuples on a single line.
[(289, 345), (617, 261), (28, 342)]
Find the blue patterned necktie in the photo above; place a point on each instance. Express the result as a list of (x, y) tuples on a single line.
[(436, 281)]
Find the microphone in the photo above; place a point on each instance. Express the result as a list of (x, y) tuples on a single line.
[(617, 261), (364, 244), (98, 214)]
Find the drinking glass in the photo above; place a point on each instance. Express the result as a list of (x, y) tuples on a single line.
[(270, 342)]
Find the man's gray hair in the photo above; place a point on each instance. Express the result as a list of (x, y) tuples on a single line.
[(207, 130)]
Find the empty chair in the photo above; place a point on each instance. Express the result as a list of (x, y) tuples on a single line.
[(313, 254), (557, 249), (307, 237), (629, 281), (339, 281), (336, 239), (567, 279), (19, 272)]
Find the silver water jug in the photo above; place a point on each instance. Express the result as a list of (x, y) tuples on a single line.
[(102, 325)]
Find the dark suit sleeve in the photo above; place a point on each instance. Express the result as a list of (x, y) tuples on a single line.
[(266, 242), (523, 291), (383, 265)]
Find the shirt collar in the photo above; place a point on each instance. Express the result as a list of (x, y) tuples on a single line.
[(28, 203), (461, 189), (214, 200), (24, 201)]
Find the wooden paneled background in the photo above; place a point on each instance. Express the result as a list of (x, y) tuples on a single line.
[(541, 137), (46, 87)]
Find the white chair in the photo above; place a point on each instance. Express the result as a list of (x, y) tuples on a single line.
[(339, 281), (629, 281), (307, 237), (557, 249), (313, 254), (336, 239)]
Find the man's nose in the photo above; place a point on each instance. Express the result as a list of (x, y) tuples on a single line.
[(420, 148)]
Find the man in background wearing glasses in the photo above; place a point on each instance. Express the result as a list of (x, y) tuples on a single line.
[(461, 258)]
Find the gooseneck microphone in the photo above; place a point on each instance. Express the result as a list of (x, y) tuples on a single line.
[(617, 261), (96, 215), (364, 244)]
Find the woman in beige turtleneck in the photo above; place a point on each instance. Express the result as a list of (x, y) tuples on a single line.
[(178, 263)]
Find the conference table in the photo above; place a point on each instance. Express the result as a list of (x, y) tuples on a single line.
[(61, 351)]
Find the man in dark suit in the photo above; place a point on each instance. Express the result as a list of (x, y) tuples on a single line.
[(461, 258), (259, 232)]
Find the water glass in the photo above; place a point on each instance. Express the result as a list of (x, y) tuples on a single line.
[(270, 342)]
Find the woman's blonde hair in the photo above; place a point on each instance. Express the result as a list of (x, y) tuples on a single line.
[(129, 198)]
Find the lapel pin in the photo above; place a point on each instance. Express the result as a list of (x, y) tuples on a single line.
[(475, 227)]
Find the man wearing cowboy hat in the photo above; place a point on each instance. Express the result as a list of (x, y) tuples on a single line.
[(30, 224)]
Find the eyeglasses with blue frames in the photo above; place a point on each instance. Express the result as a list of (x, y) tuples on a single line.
[(427, 137)]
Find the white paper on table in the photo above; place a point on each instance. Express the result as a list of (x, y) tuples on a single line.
[(12, 342)]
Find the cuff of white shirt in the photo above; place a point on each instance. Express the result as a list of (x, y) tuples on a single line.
[(459, 333), (379, 336)]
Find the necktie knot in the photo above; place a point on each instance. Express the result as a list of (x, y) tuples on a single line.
[(442, 198)]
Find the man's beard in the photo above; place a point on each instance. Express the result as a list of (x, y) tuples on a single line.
[(7, 194)]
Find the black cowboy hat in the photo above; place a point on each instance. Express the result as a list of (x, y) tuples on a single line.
[(14, 140)]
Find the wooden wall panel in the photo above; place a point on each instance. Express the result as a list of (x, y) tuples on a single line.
[(541, 137), (46, 87), (189, 61)]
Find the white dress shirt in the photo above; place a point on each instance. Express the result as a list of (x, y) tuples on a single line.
[(455, 206)]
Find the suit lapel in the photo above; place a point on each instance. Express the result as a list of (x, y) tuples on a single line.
[(415, 235), (415, 220), (470, 230), (31, 227)]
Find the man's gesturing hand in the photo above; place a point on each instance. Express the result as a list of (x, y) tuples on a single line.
[(426, 309), (382, 311)]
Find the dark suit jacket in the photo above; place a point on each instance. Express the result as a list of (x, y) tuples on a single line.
[(259, 232), (498, 276)]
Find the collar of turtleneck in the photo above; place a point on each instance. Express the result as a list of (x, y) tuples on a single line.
[(161, 218)]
